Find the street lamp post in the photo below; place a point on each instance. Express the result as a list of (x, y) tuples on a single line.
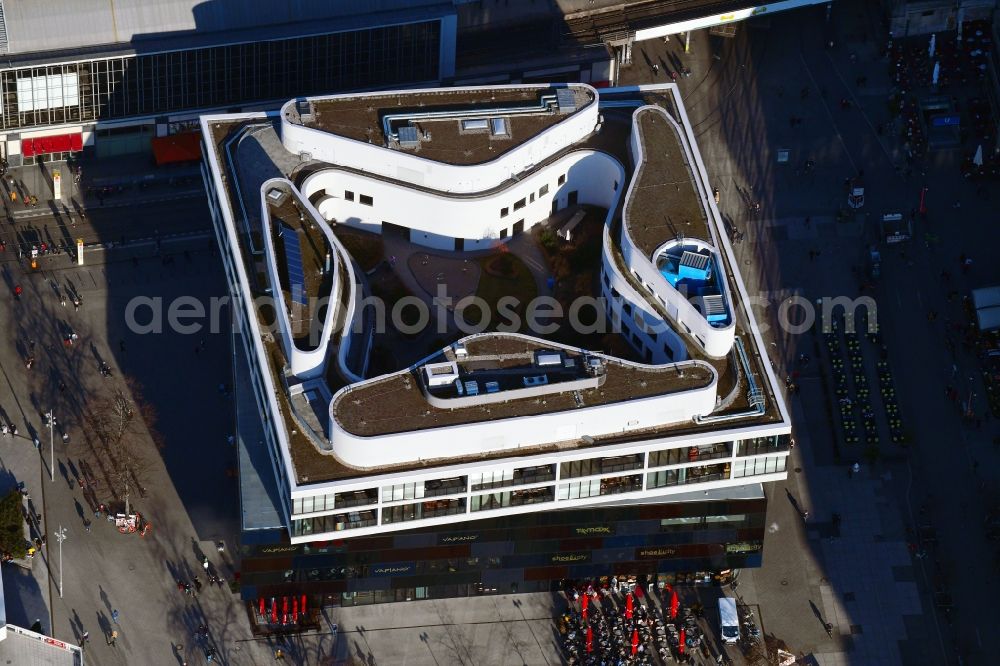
[(60, 537), (52, 446)]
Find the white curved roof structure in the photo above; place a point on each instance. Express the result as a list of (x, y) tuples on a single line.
[(467, 168)]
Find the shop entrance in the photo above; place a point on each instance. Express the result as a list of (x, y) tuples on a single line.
[(114, 141)]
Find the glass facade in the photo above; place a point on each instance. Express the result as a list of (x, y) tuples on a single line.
[(760, 465), (690, 454), (685, 475), (503, 554), (144, 85), (761, 445)]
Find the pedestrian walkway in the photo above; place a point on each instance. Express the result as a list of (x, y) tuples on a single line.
[(124, 180), (857, 576)]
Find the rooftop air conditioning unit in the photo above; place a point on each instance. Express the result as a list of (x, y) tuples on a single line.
[(543, 359), (440, 374), (536, 380)]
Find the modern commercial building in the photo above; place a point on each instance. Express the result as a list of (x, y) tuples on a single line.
[(502, 459), (109, 77)]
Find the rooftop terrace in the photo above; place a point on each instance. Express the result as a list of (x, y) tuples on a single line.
[(361, 412), (443, 139), (664, 202)]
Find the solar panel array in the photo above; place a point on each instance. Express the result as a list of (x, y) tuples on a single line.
[(293, 260)]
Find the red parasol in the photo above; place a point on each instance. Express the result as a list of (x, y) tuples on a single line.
[(628, 606), (681, 644), (274, 609), (303, 604), (590, 639), (584, 603), (284, 605), (635, 641), (261, 606), (673, 604), (295, 609)]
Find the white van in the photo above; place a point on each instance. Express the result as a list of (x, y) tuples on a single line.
[(729, 621)]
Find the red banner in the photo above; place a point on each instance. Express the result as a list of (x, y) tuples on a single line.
[(46, 145)]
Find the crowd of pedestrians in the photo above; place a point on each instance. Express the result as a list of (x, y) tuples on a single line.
[(954, 65)]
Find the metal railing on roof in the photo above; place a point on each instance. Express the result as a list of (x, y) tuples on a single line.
[(755, 396)]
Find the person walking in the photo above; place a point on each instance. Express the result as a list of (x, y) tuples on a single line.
[(114, 616), (113, 637)]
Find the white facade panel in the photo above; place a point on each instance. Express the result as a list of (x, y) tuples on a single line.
[(448, 178), (48, 92), (435, 220), (512, 434)]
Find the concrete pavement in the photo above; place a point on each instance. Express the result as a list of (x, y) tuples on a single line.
[(189, 493)]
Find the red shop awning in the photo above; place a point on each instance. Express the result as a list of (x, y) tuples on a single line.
[(46, 145), (182, 147)]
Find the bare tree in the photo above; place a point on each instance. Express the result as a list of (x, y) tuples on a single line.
[(120, 420)]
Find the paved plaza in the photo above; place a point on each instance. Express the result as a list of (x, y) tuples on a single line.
[(189, 494)]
